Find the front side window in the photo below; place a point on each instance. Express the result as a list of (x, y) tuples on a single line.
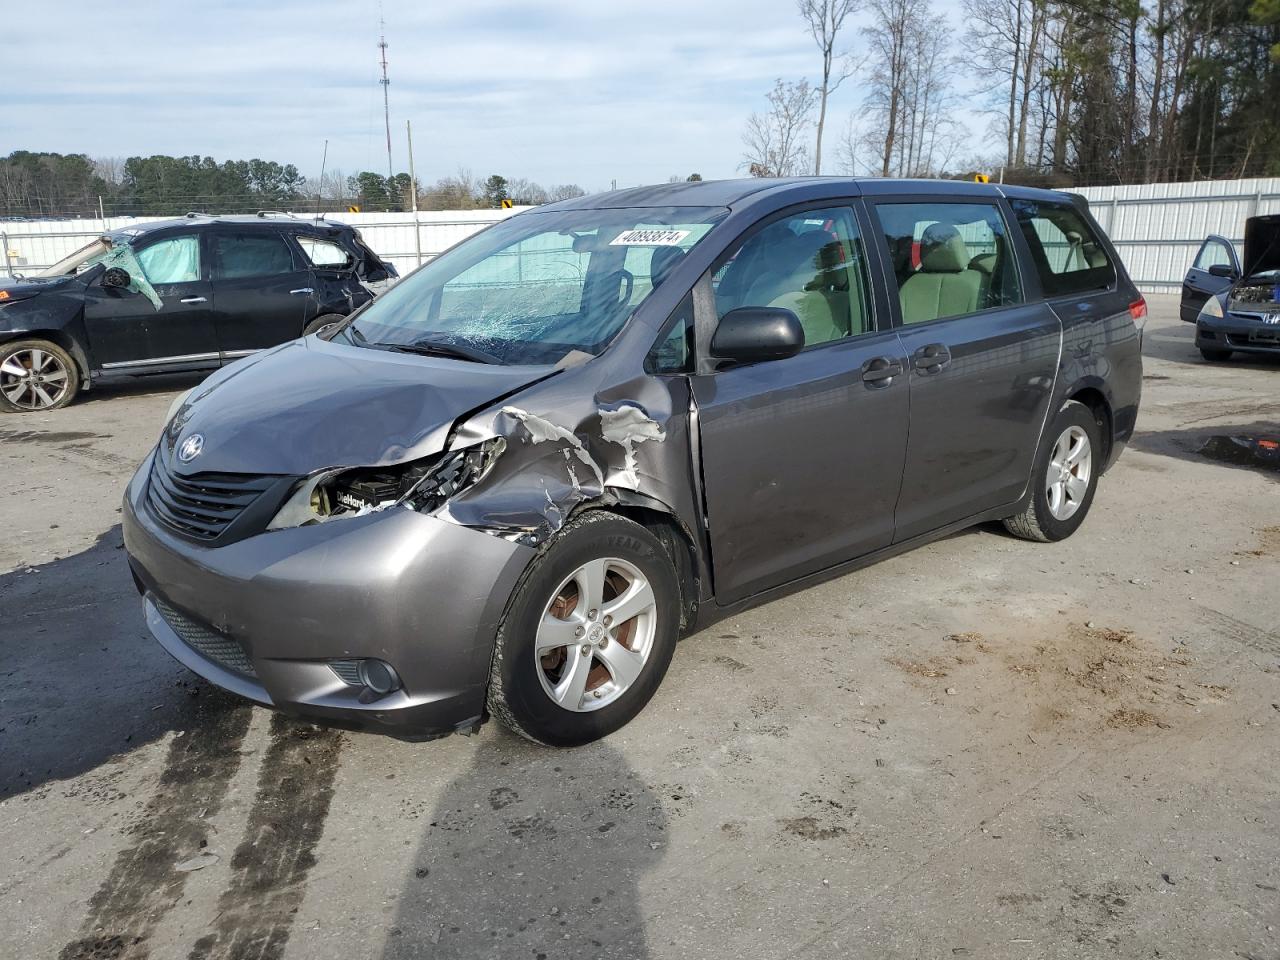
[(323, 253), (811, 263), (1064, 247), (1214, 253), (238, 255), (538, 286), (949, 259), (175, 260)]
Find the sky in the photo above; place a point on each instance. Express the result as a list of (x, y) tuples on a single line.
[(569, 91)]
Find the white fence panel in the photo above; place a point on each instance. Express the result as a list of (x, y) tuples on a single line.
[(1157, 228)]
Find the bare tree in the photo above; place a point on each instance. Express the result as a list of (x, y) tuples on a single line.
[(774, 139), (896, 22), (824, 19), (110, 169), (1009, 36)]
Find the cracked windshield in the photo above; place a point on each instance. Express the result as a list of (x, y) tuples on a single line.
[(537, 287)]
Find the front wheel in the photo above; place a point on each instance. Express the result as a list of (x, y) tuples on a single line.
[(322, 323), (1215, 356), (588, 635), (1065, 477), (36, 376)]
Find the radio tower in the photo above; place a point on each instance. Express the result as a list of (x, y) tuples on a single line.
[(386, 105)]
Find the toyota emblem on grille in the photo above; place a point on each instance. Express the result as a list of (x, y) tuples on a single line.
[(191, 448)]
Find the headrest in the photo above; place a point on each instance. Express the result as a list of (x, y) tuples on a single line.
[(665, 259), (984, 263), (942, 250)]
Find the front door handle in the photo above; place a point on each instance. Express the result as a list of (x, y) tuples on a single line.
[(193, 300), (306, 290), (881, 370), (931, 358)]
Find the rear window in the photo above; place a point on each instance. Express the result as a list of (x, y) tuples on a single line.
[(1064, 248)]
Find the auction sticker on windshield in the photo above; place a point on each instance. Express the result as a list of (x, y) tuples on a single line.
[(649, 238)]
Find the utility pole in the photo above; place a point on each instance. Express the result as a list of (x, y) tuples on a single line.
[(413, 193), (386, 103)]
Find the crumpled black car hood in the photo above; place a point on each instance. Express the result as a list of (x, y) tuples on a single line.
[(309, 405)]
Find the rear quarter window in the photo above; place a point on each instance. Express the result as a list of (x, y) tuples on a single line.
[(1064, 248)]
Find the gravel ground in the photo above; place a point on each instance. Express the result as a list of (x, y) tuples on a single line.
[(984, 748)]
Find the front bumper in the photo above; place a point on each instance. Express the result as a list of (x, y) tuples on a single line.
[(1228, 333), (266, 616)]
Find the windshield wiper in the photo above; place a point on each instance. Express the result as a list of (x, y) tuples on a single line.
[(439, 348)]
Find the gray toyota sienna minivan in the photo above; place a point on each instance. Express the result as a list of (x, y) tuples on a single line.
[(508, 485)]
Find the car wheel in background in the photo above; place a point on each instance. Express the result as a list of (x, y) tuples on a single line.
[(588, 635), (1064, 478), (1215, 356), (35, 376), (322, 323)]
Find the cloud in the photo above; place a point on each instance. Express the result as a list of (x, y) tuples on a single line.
[(586, 92)]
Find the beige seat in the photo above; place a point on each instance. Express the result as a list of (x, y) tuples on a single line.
[(945, 285)]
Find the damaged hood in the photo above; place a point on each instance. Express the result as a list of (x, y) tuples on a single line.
[(310, 405), (20, 288), (1261, 244)]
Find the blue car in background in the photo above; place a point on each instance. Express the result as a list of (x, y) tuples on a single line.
[(1235, 305)]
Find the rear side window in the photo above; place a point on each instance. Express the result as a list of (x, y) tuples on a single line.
[(950, 259), (237, 255), (1064, 247)]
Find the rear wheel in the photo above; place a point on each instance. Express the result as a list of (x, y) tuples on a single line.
[(1215, 356), (588, 635), (322, 322), (1064, 479), (36, 375)]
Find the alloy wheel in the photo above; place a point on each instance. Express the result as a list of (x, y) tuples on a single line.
[(34, 379), (1070, 468), (595, 635)]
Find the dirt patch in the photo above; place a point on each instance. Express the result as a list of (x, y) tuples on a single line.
[(1268, 543), (1131, 719), (811, 828), (932, 669)]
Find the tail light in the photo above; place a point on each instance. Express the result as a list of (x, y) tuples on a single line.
[(1138, 310)]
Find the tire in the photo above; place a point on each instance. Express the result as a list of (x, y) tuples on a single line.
[(322, 321), (1042, 521), (1215, 356), (58, 377), (593, 700)]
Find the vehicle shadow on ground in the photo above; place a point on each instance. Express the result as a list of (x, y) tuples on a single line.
[(1228, 445), (1169, 345), (82, 681), (139, 386), (532, 854)]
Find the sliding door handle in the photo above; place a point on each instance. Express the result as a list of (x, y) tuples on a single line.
[(193, 300), (931, 358), (306, 290)]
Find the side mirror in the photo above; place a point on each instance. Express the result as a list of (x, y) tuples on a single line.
[(753, 334), (116, 277), (1223, 270)]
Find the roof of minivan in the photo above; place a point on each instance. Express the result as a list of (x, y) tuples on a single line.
[(725, 193)]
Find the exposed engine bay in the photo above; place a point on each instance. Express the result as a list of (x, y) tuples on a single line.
[(1258, 299)]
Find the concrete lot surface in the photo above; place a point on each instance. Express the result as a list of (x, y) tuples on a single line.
[(985, 748)]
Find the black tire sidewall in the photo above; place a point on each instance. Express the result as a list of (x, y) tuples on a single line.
[(590, 538), (319, 323), (1071, 414), (73, 373)]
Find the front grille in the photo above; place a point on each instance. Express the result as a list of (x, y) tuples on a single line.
[(201, 506), (1244, 340), (209, 643)]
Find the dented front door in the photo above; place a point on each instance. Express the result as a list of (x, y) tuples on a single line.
[(801, 461)]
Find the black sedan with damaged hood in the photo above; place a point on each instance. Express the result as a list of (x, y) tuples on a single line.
[(509, 484)]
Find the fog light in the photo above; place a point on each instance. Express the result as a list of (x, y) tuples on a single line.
[(378, 676)]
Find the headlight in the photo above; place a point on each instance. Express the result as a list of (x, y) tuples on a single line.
[(177, 404), (422, 485), (1212, 309)]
